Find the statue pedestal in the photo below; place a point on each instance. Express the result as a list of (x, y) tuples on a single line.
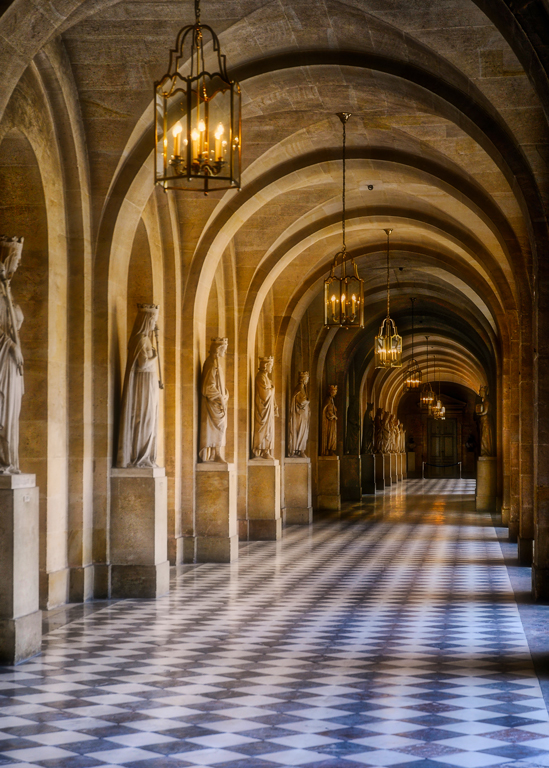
[(368, 472), (216, 518), (328, 483), (20, 619), (394, 468), (139, 532), (298, 508), (486, 484), (264, 520), (404, 465), (351, 483), (411, 462), (400, 466), (380, 472), (389, 479)]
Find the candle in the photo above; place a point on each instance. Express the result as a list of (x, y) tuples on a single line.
[(177, 129), (353, 302), (333, 307), (194, 137), (202, 129), (218, 134)]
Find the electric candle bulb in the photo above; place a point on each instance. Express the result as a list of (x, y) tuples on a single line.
[(177, 129)]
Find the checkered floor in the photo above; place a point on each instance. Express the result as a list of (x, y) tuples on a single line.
[(387, 636)]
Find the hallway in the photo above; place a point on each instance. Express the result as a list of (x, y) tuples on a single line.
[(386, 636)]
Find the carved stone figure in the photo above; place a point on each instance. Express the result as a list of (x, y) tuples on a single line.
[(329, 423), (368, 430), (213, 407), (300, 417), (486, 428), (386, 433), (402, 438), (395, 434), (11, 358), (353, 427), (265, 410), (139, 411), (378, 431)]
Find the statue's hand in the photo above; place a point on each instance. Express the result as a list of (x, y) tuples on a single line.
[(17, 356)]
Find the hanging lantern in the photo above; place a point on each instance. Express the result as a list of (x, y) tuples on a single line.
[(197, 117), (412, 376), (427, 397), (388, 344), (438, 411), (344, 295)]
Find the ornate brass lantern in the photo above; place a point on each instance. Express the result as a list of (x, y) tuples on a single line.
[(344, 296), (197, 119), (427, 397), (412, 376), (388, 344), (438, 411)]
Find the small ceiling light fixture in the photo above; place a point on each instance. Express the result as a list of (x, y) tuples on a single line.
[(197, 118), (388, 344), (343, 296), (412, 376), (427, 397)]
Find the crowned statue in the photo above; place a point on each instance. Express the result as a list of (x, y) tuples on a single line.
[(213, 406), (299, 419), (265, 410)]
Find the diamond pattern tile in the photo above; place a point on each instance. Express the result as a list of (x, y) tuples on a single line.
[(388, 636)]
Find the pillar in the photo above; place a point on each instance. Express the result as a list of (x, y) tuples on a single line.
[(389, 479), (216, 523), (298, 505), (329, 493), (264, 514), (368, 472), (139, 532), (380, 472), (351, 485), (486, 484), (20, 619)]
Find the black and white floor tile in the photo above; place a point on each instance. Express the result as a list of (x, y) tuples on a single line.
[(387, 636)]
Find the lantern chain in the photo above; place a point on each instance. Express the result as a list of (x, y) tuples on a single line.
[(197, 11)]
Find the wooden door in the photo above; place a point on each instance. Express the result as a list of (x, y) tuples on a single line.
[(442, 443)]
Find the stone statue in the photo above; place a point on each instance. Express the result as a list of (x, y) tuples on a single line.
[(395, 434), (386, 433), (11, 359), (486, 429), (213, 404), (329, 424), (353, 427), (139, 410), (368, 430), (378, 431), (299, 419), (402, 438), (265, 410)]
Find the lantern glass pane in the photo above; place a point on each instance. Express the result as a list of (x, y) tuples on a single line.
[(353, 306), (332, 301)]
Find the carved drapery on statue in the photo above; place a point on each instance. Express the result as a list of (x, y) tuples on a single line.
[(485, 424), (386, 432), (378, 431), (352, 442), (265, 410), (329, 424), (368, 430), (402, 438), (299, 418), (137, 442), (213, 404), (11, 358)]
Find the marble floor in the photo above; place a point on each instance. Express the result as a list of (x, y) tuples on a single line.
[(385, 636)]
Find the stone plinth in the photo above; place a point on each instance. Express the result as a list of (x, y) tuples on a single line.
[(216, 521), (20, 619), (298, 509), (411, 462), (139, 532), (400, 466), (394, 468), (264, 514), (486, 484), (404, 466), (380, 472), (329, 495), (368, 472), (389, 479), (351, 481)]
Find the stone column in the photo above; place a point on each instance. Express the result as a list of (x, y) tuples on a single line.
[(368, 472), (216, 523), (526, 523), (264, 514), (329, 493), (389, 479), (351, 485), (486, 484), (139, 532), (380, 472), (404, 465), (20, 619), (298, 505), (394, 468)]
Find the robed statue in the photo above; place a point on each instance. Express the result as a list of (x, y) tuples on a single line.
[(137, 440), (11, 358), (265, 410), (352, 441), (368, 430), (329, 424), (378, 431), (386, 432), (213, 404), (485, 423), (299, 418)]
